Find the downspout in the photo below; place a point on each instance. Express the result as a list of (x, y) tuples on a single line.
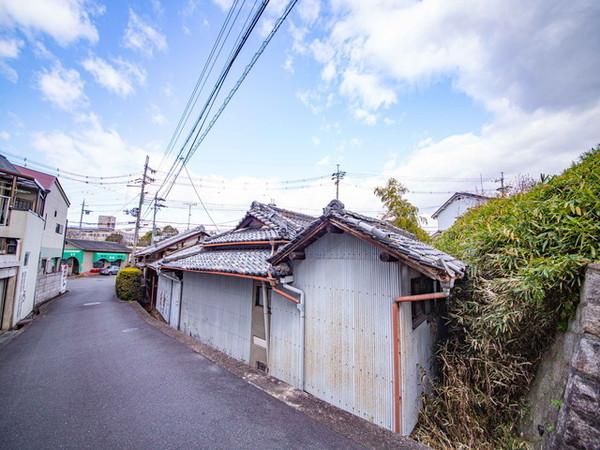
[(266, 319), (300, 306)]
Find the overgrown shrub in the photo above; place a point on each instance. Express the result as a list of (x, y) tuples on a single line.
[(526, 256), (129, 284)]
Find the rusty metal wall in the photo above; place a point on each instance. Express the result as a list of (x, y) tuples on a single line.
[(284, 350), (349, 292), (217, 310)]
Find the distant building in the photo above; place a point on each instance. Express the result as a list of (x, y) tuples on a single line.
[(98, 234), (456, 206), (107, 222), (33, 215), (83, 255)]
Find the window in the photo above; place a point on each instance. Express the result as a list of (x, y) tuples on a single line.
[(8, 246), (258, 298), (421, 310), (4, 203), (26, 259), (54, 213), (59, 228)]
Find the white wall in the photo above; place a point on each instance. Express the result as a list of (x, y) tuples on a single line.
[(454, 210), (52, 242), (217, 310), (29, 226)]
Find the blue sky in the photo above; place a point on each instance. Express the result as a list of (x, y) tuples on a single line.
[(427, 91)]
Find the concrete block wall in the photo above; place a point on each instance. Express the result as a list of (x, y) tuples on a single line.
[(48, 286)]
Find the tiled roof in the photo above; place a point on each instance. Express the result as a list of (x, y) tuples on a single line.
[(245, 262), (398, 241), (286, 223), (98, 246), (173, 240), (245, 235)]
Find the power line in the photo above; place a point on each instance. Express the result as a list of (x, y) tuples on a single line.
[(60, 171), (200, 83), (174, 171), (200, 199)]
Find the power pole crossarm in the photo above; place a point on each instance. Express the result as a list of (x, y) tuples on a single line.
[(336, 177)]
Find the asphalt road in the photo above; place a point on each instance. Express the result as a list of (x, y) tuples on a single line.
[(90, 373)]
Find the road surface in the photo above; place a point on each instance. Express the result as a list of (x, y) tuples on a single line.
[(90, 373)]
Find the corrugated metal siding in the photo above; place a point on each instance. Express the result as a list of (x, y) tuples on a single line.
[(163, 297), (284, 351), (349, 293), (217, 310), (416, 352)]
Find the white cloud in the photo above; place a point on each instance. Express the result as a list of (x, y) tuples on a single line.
[(315, 140), (367, 90), (143, 37), (4, 135), (493, 55), (62, 87), (157, 116), (119, 78), (223, 4), (288, 65), (324, 161), (65, 20), (309, 10), (10, 48)]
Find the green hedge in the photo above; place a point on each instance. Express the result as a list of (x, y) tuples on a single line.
[(129, 284), (526, 257)]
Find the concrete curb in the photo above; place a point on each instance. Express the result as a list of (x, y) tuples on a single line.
[(339, 421)]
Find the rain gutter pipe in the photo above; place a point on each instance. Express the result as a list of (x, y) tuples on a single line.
[(266, 319), (300, 306)]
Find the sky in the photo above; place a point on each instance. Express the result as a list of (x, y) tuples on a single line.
[(442, 95)]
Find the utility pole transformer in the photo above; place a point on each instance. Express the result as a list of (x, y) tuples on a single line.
[(155, 206), (336, 177), (83, 211), (136, 233)]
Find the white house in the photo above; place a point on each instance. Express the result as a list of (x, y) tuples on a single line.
[(344, 306), (456, 206), (33, 211), (56, 206)]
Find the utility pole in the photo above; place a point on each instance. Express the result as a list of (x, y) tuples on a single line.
[(502, 189), (145, 179), (189, 205), (336, 177), (156, 206), (83, 211)]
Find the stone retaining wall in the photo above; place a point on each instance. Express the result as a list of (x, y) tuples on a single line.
[(578, 423)]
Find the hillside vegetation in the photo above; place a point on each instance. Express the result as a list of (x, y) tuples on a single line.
[(526, 257)]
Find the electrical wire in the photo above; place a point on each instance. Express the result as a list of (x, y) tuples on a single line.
[(200, 199)]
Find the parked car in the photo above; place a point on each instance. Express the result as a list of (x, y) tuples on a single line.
[(110, 270)]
